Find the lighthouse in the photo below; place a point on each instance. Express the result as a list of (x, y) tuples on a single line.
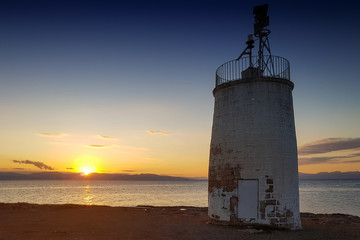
[(253, 165)]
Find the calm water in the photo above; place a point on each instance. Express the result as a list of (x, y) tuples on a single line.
[(111, 193), (330, 196), (317, 196)]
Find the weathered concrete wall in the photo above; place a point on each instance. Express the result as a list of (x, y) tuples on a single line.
[(253, 137)]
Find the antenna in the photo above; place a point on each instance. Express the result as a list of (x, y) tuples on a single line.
[(247, 50), (264, 61), (261, 18), (262, 21)]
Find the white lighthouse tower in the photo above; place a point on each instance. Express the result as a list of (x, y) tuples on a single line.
[(253, 166)]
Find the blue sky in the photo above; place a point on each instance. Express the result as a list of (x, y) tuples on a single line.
[(124, 68)]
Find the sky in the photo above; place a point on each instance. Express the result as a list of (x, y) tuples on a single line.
[(126, 86)]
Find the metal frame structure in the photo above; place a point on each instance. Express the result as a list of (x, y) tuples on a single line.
[(264, 64)]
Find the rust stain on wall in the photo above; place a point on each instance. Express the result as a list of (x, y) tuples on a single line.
[(233, 203), (225, 176), (215, 150), (229, 151), (270, 189)]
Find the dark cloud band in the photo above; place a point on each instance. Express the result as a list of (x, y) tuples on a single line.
[(35, 163), (98, 146), (331, 160), (329, 145)]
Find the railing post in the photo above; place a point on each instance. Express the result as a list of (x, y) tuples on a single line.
[(232, 70)]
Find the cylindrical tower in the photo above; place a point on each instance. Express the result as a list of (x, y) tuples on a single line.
[(253, 171)]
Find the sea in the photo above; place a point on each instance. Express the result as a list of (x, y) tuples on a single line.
[(316, 196)]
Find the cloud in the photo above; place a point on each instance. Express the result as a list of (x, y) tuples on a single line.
[(157, 132), (329, 145), (106, 137), (70, 168), (129, 171), (315, 160), (52, 134), (35, 163), (98, 146), (356, 154), (331, 160), (351, 161)]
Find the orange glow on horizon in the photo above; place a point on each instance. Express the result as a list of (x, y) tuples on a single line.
[(87, 164), (86, 170)]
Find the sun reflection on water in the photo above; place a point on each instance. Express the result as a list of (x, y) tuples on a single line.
[(88, 196)]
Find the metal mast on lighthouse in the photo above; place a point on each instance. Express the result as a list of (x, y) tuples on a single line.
[(262, 33)]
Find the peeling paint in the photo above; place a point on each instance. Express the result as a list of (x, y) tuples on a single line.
[(224, 177), (270, 189), (233, 203)]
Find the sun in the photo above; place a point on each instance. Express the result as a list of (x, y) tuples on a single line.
[(87, 170), (86, 164)]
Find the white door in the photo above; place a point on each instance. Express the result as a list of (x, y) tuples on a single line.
[(248, 198)]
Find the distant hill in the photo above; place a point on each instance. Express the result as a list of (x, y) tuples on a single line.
[(147, 176), (331, 175), (92, 176)]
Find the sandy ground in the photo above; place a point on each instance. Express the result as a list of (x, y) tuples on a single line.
[(31, 221)]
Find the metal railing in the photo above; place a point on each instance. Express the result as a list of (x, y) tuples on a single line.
[(270, 66)]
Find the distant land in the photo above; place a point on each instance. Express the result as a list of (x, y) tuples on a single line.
[(147, 176), (91, 176), (331, 175)]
